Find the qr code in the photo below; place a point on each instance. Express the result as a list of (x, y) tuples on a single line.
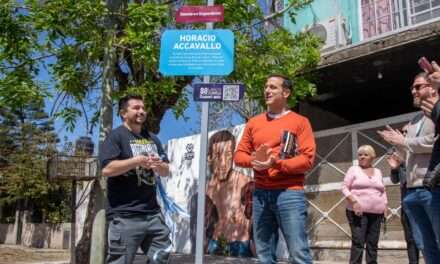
[(231, 92)]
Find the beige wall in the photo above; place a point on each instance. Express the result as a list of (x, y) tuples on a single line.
[(8, 233), (38, 235)]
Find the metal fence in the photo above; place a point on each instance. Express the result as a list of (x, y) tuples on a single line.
[(336, 152)]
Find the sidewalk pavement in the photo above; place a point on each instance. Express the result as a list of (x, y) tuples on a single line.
[(180, 260), (12, 254), (44, 262), (16, 254), (189, 259)]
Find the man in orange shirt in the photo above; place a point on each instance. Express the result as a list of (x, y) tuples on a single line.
[(280, 147)]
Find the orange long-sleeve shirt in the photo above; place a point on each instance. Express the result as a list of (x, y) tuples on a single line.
[(287, 173)]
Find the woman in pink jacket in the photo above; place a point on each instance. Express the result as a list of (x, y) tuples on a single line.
[(366, 205)]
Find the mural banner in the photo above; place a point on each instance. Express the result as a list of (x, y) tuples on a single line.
[(228, 211)]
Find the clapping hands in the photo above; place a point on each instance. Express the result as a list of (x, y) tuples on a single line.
[(427, 104), (394, 160), (392, 136), (263, 158), (434, 78), (148, 161)]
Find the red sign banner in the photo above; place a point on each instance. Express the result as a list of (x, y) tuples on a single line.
[(200, 14)]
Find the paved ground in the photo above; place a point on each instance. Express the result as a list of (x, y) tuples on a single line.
[(20, 255), (11, 254), (184, 259), (385, 257)]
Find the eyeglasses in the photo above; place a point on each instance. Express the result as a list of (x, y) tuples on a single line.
[(418, 86)]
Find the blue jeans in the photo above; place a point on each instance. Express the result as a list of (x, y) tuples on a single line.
[(284, 209), (417, 203), (435, 210)]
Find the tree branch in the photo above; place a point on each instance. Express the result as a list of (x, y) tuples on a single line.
[(30, 60), (55, 107), (85, 117), (293, 4), (121, 77), (121, 47)]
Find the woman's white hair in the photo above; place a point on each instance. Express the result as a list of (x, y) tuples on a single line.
[(367, 149)]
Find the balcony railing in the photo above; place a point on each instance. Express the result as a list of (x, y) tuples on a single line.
[(383, 16)]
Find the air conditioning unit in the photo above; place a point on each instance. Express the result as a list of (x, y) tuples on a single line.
[(334, 32)]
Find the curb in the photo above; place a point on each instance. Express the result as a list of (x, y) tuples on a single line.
[(46, 262)]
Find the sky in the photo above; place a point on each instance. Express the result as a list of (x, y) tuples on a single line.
[(171, 127)]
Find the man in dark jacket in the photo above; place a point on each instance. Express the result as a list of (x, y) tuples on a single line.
[(431, 107), (398, 175), (417, 148)]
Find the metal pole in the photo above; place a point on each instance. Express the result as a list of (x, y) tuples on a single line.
[(354, 146), (399, 3), (200, 235), (73, 225), (200, 231), (409, 13)]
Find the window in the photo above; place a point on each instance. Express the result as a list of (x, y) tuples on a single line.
[(378, 17), (381, 16), (423, 10)]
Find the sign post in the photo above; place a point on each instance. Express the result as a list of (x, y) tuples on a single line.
[(200, 14), (200, 229), (195, 53), (224, 92)]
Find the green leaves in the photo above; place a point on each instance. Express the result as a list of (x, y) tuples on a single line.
[(142, 32), (276, 52), (16, 35), (18, 89), (27, 138), (18, 42), (59, 46), (67, 38), (70, 115)]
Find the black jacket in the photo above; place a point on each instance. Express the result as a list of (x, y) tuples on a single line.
[(399, 176), (432, 177)]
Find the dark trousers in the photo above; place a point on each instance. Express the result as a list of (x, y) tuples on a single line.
[(365, 231), (411, 247), (126, 235)]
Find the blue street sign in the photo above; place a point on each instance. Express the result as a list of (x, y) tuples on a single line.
[(197, 52), (208, 92)]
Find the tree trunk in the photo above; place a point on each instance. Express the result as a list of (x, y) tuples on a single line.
[(91, 248), (19, 221), (83, 246)]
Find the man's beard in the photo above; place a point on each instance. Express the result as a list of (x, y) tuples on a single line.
[(139, 120), (416, 102)]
